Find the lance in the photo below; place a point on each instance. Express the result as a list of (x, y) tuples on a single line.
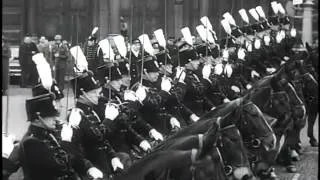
[(7, 104), (142, 53), (130, 41)]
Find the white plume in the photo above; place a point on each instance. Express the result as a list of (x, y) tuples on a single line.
[(145, 41), (226, 26), (260, 12), (121, 45), (106, 49), (244, 15), (160, 37), (80, 59), (254, 14), (187, 35)]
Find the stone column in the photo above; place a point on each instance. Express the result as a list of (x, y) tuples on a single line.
[(103, 18), (204, 6), (307, 22), (178, 17), (95, 13), (115, 16), (32, 18)]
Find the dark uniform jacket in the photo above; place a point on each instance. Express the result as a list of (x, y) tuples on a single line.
[(92, 137), (94, 57), (43, 156), (122, 131), (195, 97)]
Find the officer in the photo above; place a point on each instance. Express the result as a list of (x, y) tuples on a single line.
[(41, 153), (154, 93), (90, 132), (123, 129), (93, 53), (60, 55)]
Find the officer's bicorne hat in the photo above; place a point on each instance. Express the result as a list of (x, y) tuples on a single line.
[(274, 20), (247, 30), (284, 20), (107, 73), (39, 89), (42, 106), (236, 32), (161, 58), (124, 67), (227, 42), (149, 64), (85, 82)]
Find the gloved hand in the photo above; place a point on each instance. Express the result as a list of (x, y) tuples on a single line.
[(130, 95), (241, 53), (166, 84), (257, 44), (248, 86), (278, 37), (156, 135), (235, 89), (254, 74), (141, 93), (206, 71), (225, 100), (75, 118), (7, 145), (178, 72), (116, 163), (66, 133), (95, 173), (271, 70), (194, 117), (174, 122), (182, 77), (145, 145), (111, 112)]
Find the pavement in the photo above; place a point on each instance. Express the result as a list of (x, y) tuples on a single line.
[(17, 125)]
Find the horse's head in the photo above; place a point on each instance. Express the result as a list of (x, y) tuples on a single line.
[(233, 153), (255, 130)]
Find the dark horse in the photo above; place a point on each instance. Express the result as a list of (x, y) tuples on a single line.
[(247, 117), (200, 164), (283, 104)]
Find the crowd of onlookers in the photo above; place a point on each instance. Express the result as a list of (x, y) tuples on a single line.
[(56, 53)]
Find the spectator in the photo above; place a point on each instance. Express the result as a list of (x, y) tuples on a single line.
[(29, 73), (6, 55), (60, 54), (43, 47)]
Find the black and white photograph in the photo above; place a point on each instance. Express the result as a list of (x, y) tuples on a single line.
[(160, 90)]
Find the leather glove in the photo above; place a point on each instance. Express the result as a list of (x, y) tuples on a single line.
[(95, 173), (194, 117), (257, 44), (145, 145), (271, 70), (182, 77), (130, 95), (254, 73), (156, 135), (75, 118), (166, 84), (241, 53), (206, 71), (178, 72), (174, 122), (7, 145), (116, 163), (141, 93), (235, 89), (248, 86), (66, 133), (226, 100), (111, 112)]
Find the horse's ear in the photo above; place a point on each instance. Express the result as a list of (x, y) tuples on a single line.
[(308, 47)]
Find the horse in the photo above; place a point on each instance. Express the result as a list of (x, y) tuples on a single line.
[(287, 108), (201, 167), (247, 117)]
